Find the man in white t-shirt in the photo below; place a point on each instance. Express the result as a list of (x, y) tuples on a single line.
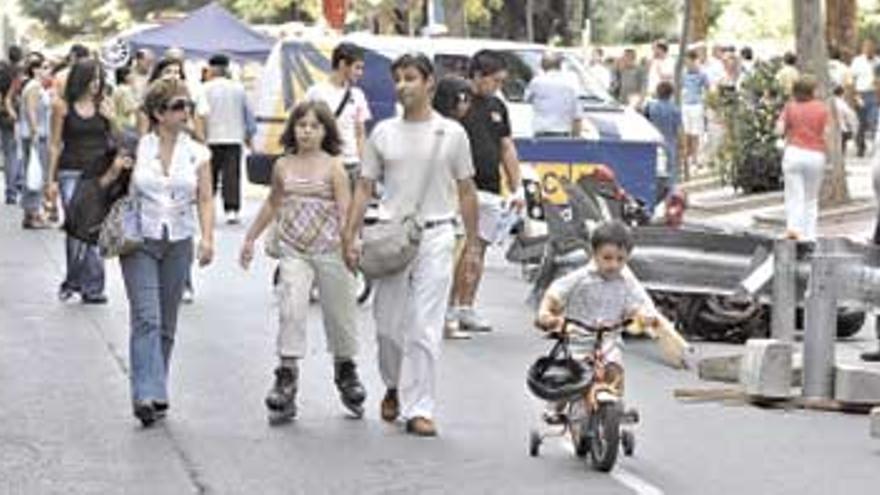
[(346, 101), (864, 72), (555, 105), (424, 163), (662, 67)]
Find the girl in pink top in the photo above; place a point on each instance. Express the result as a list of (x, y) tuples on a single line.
[(803, 121)]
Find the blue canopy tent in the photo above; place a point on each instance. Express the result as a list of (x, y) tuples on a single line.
[(205, 32)]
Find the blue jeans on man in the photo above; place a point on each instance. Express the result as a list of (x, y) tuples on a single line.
[(11, 165), (154, 277), (867, 120), (85, 267)]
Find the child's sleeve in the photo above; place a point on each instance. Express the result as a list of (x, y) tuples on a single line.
[(637, 298)]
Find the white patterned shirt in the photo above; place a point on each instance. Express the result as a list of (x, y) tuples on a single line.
[(167, 202)]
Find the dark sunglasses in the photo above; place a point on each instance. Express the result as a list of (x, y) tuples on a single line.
[(178, 105)]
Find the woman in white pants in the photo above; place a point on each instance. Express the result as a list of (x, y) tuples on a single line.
[(804, 122)]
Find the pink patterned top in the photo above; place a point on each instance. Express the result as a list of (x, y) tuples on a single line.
[(308, 219)]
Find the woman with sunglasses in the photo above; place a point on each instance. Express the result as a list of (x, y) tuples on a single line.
[(172, 173)]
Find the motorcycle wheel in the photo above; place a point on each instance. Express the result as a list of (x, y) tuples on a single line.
[(605, 440)]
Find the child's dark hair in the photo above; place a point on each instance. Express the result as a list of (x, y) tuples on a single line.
[(613, 232), (665, 90)]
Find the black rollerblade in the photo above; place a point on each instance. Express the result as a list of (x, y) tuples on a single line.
[(281, 400), (351, 391)]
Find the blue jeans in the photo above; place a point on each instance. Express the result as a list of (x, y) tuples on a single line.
[(154, 279), (85, 267), (867, 120), (11, 164), (31, 201)]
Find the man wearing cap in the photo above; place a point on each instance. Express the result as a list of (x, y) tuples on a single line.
[(226, 132)]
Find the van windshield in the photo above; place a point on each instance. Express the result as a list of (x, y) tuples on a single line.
[(522, 65)]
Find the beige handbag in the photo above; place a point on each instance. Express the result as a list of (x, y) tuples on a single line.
[(389, 246)]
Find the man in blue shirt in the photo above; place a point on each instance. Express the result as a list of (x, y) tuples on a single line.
[(694, 83), (666, 117)]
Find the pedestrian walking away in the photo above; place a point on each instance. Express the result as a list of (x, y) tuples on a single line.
[(420, 178), (554, 99), (79, 141), (307, 203), (172, 173), (227, 133), (666, 117), (803, 122)]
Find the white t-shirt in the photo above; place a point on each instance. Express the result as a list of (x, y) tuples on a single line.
[(554, 101), (356, 111), (659, 71), (863, 73), (400, 152), (226, 110)]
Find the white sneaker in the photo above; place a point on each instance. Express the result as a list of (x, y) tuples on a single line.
[(470, 321), (451, 328), (232, 218), (188, 296)]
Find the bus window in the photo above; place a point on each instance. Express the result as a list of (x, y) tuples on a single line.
[(445, 65)]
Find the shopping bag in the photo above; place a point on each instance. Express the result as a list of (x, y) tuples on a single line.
[(33, 180)]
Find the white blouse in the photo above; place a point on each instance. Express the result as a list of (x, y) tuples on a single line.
[(167, 201)]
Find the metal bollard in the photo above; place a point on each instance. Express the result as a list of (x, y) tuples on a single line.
[(821, 322), (784, 290)]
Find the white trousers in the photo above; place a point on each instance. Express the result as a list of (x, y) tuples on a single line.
[(803, 170), (409, 309)]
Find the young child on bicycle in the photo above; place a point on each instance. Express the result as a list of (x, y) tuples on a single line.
[(602, 293)]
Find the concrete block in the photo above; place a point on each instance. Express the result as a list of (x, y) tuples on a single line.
[(720, 368), (875, 422), (766, 369), (854, 385)]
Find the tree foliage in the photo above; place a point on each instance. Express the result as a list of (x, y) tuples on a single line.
[(67, 18), (750, 159), (635, 21)]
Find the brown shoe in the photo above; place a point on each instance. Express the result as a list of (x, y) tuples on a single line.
[(390, 405), (422, 427)]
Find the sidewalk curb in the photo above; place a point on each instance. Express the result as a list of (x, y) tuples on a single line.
[(776, 218)]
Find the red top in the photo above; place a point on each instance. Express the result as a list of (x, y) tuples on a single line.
[(805, 124)]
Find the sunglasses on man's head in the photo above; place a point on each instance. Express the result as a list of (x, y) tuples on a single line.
[(178, 105)]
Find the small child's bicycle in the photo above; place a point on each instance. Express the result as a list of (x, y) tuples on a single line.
[(585, 398)]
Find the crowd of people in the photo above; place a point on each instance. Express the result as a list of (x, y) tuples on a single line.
[(189, 144)]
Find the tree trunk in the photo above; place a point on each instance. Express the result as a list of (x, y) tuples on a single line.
[(699, 20), (456, 20), (841, 24), (813, 58), (687, 34)]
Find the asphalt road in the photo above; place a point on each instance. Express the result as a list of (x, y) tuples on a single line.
[(65, 423)]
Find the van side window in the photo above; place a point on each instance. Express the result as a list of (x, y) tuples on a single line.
[(451, 65), (518, 76)]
